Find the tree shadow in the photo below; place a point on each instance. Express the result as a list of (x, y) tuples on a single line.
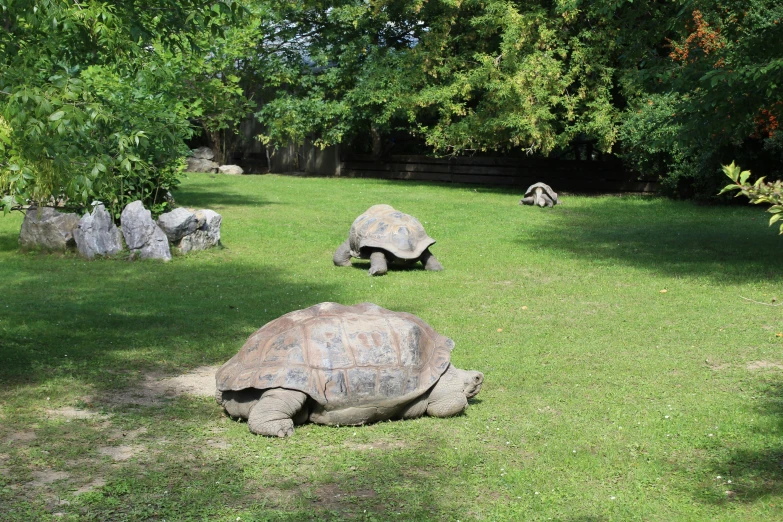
[(221, 194), (125, 317), (755, 472), (725, 244)]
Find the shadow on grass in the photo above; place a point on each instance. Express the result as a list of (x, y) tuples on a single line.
[(755, 472), (9, 242), (221, 194), (66, 318), (674, 238)]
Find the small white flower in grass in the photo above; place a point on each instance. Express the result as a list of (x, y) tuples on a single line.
[(536, 492), (574, 451), (666, 417), (612, 498), (718, 477), (710, 435), (728, 482)]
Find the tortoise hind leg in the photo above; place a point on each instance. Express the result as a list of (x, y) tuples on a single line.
[(342, 256), (274, 412), (378, 264), (429, 261)]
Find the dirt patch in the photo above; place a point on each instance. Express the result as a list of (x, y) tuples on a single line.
[(21, 436), (330, 497), (380, 445), (69, 412), (156, 390), (218, 444), (96, 483), (119, 453), (42, 478), (764, 365)]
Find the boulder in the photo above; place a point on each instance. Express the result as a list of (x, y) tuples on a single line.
[(201, 165), (178, 223), (203, 153), (144, 238), (230, 169), (206, 235), (97, 235), (47, 229)]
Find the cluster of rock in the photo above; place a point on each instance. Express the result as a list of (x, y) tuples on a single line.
[(201, 161), (95, 234)]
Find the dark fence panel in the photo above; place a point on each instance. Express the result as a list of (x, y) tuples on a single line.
[(567, 175)]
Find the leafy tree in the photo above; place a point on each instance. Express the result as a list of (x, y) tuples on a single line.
[(467, 75), (706, 87), (89, 100)]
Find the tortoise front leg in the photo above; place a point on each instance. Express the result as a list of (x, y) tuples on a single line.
[(273, 413), (378, 264), (429, 261), (342, 256)]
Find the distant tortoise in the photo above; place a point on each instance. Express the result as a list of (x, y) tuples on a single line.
[(539, 194), (335, 364), (383, 234)]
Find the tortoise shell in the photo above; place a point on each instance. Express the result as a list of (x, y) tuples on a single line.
[(546, 188), (385, 228), (342, 356)]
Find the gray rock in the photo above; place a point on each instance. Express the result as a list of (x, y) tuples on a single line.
[(47, 229), (178, 223), (230, 169), (144, 238), (97, 235), (201, 165), (203, 153), (206, 236)]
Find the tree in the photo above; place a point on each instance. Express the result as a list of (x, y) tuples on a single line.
[(706, 89), (467, 75), (90, 102)]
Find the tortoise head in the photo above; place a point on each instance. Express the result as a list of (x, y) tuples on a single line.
[(465, 381)]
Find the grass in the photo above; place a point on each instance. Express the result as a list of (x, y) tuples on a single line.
[(605, 397)]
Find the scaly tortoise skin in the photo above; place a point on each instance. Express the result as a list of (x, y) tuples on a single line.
[(383, 234), (540, 194), (335, 364)]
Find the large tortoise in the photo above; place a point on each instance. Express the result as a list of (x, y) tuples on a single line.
[(540, 194), (383, 235), (349, 365)]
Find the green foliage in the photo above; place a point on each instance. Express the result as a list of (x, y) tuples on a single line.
[(712, 71), (759, 192), (463, 75), (90, 102)]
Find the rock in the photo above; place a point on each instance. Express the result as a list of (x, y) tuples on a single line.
[(230, 169), (97, 235), (201, 165), (206, 236), (178, 223), (203, 153), (144, 238), (47, 229)]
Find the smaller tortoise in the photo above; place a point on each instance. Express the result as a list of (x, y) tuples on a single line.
[(539, 194), (349, 365), (385, 235)]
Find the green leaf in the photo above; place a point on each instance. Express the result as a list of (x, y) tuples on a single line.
[(744, 176), (57, 115), (775, 218), (727, 188)]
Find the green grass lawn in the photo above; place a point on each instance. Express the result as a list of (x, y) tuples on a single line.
[(632, 360)]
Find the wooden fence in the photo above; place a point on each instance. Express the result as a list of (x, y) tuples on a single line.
[(566, 175)]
